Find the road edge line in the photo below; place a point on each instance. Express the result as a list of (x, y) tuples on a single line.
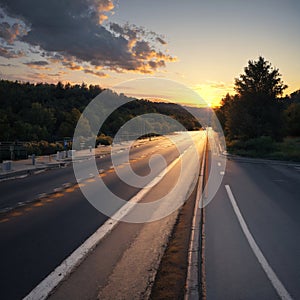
[(277, 284)]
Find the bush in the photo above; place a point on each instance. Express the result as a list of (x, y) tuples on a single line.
[(104, 140), (257, 147), (263, 144), (265, 147), (43, 148)]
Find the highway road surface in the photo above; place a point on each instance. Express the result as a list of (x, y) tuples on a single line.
[(37, 237), (251, 243), (252, 233)]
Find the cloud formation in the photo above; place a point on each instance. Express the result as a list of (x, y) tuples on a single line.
[(103, 8), (74, 31), (163, 42), (11, 32), (95, 73), (39, 64), (7, 52)]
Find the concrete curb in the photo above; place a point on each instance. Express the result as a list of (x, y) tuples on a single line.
[(193, 281), (30, 171)]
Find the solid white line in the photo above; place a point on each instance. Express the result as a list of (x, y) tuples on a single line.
[(282, 292), (45, 287)]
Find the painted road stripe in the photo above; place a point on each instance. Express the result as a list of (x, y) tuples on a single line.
[(282, 292), (45, 287)]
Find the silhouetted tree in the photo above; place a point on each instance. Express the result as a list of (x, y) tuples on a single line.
[(260, 79), (295, 97), (255, 111)]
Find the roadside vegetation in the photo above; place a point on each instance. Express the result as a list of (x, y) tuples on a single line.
[(258, 121), (266, 147)]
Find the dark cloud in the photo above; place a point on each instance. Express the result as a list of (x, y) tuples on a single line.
[(142, 49), (157, 64), (160, 40), (95, 73), (71, 65), (10, 32), (7, 52), (37, 63), (131, 32), (143, 46), (73, 30)]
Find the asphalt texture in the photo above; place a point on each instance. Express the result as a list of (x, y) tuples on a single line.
[(267, 195), (37, 237)]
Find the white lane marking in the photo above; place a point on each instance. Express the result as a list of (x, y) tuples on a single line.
[(46, 286), (279, 287), (67, 184), (42, 195), (39, 172), (219, 164)]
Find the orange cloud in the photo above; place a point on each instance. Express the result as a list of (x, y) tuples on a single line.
[(71, 65), (103, 7), (11, 32)]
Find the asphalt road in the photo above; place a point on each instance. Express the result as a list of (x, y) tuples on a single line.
[(38, 237), (29, 188), (267, 196)]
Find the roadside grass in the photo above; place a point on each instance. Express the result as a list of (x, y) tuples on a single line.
[(265, 147)]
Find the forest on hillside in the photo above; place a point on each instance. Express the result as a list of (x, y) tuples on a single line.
[(49, 112)]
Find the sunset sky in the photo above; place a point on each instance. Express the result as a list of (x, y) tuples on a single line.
[(202, 44)]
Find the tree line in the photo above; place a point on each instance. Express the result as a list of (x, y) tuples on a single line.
[(50, 112)]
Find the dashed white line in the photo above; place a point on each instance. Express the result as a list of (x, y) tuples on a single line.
[(277, 284)]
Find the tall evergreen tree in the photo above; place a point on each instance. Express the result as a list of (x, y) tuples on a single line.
[(256, 111)]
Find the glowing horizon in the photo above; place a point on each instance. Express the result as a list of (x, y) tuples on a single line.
[(129, 43)]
